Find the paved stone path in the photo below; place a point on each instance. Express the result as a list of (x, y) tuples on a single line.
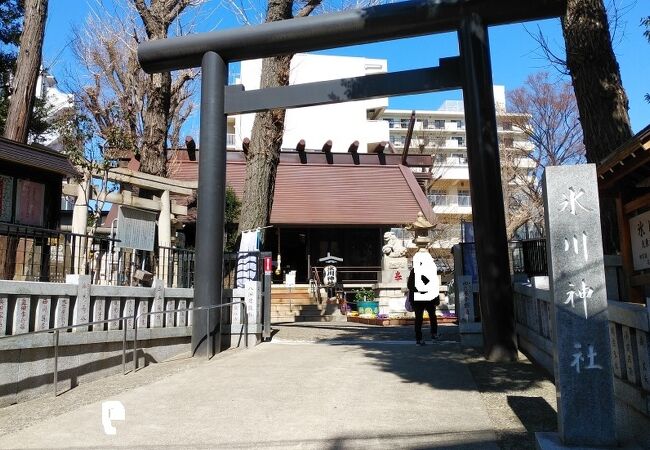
[(320, 386)]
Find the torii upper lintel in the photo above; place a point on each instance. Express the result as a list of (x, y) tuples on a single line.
[(357, 26)]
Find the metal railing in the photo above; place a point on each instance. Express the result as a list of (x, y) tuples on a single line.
[(175, 266), (196, 308), (39, 254), (529, 257), (69, 327), (449, 200), (123, 320)]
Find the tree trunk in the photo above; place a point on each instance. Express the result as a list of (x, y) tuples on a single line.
[(153, 153), (27, 70), (266, 139), (602, 102), (596, 77)]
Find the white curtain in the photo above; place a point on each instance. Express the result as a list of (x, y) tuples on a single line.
[(247, 264)]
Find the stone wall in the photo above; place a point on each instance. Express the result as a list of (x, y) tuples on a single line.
[(27, 362)]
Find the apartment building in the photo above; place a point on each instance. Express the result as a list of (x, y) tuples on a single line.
[(441, 133)]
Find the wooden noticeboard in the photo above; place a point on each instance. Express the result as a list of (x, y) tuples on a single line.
[(136, 228), (640, 241)]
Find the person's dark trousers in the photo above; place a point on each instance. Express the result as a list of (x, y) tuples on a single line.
[(418, 308)]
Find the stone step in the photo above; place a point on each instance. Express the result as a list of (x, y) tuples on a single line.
[(281, 290), (283, 319), (277, 308), (276, 319), (298, 301), (278, 298), (290, 297), (340, 318)]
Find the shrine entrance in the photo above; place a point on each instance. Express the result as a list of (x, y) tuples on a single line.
[(471, 71)]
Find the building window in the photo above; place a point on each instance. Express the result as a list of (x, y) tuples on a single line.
[(458, 158), (438, 198), (391, 123), (405, 123), (438, 142), (460, 141), (459, 124), (439, 124), (508, 142), (397, 140), (425, 123), (464, 198), (507, 126)]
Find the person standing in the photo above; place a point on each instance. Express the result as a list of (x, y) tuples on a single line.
[(419, 307)]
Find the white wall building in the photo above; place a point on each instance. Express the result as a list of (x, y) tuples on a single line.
[(342, 123), (57, 102)]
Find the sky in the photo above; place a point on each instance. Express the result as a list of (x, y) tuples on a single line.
[(515, 53)]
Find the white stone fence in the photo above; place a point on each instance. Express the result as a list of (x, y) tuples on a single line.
[(35, 306), (629, 330)]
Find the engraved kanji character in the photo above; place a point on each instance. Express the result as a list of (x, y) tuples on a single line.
[(577, 357), (591, 355), (584, 293), (576, 245), (572, 201)]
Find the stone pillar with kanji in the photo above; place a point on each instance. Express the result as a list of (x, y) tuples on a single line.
[(582, 354)]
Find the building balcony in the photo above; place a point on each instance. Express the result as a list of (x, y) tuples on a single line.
[(451, 204), (230, 141)]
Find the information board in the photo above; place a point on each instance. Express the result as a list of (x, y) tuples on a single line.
[(136, 228), (640, 240)]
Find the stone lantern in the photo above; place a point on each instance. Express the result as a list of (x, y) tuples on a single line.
[(420, 229)]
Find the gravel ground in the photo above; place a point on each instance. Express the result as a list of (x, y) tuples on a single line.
[(519, 398)]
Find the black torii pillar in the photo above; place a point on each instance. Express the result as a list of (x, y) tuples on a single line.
[(211, 204), (488, 215)]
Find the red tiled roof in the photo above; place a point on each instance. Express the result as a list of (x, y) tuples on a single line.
[(333, 194), (36, 156)]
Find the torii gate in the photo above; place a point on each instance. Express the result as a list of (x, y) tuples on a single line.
[(470, 71)]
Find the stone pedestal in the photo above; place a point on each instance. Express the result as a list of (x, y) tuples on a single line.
[(394, 270), (390, 296)]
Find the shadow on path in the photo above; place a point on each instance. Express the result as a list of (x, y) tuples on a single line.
[(518, 396)]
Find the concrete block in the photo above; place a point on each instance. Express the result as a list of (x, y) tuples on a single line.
[(81, 311), (169, 317), (21, 315), (181, 316), (4, 313), (99, 305), (42, 321), (129, 311), (157, 304), (61, 311), (143, 308), (114, 313)]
